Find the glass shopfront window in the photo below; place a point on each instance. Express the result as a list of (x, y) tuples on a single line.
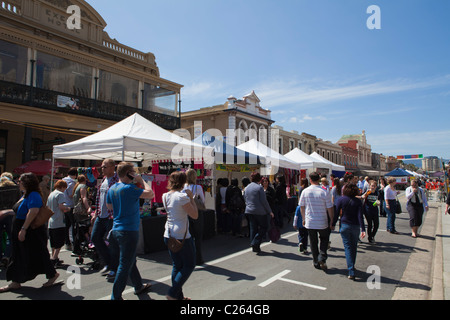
[(13, 62), (160, 100), (58, 74), (118, 89)]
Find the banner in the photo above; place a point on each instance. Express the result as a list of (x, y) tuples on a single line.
[(410, 157)]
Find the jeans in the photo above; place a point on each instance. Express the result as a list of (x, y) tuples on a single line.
[(303, 237), (183, 266), (319, 251), (123, 246), (258, 228), (101, 228), (373, 221), (350, 236), (390, 223)]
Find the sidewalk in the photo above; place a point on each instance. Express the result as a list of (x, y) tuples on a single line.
[(429, 265), (441, 271)]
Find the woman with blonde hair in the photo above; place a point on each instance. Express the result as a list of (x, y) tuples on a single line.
[(196, 226), (390, 206)]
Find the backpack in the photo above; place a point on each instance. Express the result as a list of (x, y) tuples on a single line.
[(237, 203)]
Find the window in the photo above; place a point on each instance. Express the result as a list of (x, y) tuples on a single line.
[(13, 62), (118, 89), (61, 75), (159, 100)]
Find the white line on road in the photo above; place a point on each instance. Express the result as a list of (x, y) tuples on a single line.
[(284, 273), (214, 262)]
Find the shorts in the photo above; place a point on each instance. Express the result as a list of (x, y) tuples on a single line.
[(57, 237)]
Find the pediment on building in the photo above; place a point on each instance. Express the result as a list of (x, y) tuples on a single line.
[(252, 96), (87, 12)]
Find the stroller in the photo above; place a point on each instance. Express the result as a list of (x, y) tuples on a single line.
[(83, 248)]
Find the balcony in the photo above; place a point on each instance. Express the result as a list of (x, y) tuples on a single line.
[(62, 102)]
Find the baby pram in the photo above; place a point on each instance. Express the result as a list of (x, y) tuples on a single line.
[(83, 248)]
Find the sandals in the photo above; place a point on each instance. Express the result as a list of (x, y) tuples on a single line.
[(143, 289), (51, 282), (9, 288)]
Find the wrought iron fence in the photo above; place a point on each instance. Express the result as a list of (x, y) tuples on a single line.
[(62, 102)]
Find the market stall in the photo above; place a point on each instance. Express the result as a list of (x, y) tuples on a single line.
[(336, 169), (135, 139)]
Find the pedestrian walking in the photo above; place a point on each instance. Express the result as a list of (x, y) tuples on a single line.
[(350, 211), (235, 206), (196, 225), (123, 199), (381, 187), (102, 219), (302, 231), (30, 256), (390, 197), (179, 205), (317, 215), (71, 181), (56, 225), (416, 205), (257, 210), (370, 208)]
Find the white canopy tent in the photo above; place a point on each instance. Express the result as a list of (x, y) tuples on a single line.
[(305, 160), (225, 153), (132, 139), (334, 166), (273, 160)]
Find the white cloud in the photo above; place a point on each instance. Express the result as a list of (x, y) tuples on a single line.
[(283, 93)]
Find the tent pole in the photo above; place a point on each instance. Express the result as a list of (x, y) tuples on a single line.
[(53, 172)]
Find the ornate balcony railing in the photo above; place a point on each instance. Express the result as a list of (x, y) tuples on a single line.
[(51, 100)]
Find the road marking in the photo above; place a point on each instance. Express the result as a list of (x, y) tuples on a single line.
[(211, 263), (284, 273)]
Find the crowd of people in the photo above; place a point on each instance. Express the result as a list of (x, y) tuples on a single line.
[(248, 211)]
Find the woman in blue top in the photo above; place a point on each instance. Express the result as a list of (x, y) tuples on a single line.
[(30, 255), (352, 221)]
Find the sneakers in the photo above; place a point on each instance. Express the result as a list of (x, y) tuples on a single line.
[(323, 265), (302, 249)]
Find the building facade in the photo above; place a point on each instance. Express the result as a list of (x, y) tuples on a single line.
[(431, 164), (286, 141), (364, 149), (330, 151), (238, 119), (60, 81)]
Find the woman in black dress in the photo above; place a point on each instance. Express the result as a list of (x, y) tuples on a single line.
[(30, 256)]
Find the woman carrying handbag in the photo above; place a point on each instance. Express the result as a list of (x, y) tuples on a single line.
[(30, 256), (180, 205)]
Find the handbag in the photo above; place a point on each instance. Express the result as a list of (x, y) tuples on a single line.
[(398, 207), (80, 212), (174, 244), (198, 201), (44, 214), (274, 231)]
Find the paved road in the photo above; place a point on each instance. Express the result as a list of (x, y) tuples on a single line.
[(233, 272)]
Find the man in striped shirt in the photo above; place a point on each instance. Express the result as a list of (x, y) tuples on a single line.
[(317, 213)]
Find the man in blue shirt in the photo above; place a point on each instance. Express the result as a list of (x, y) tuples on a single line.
[(123, 199)]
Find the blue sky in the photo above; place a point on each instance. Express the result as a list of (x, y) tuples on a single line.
[(314, 63)]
